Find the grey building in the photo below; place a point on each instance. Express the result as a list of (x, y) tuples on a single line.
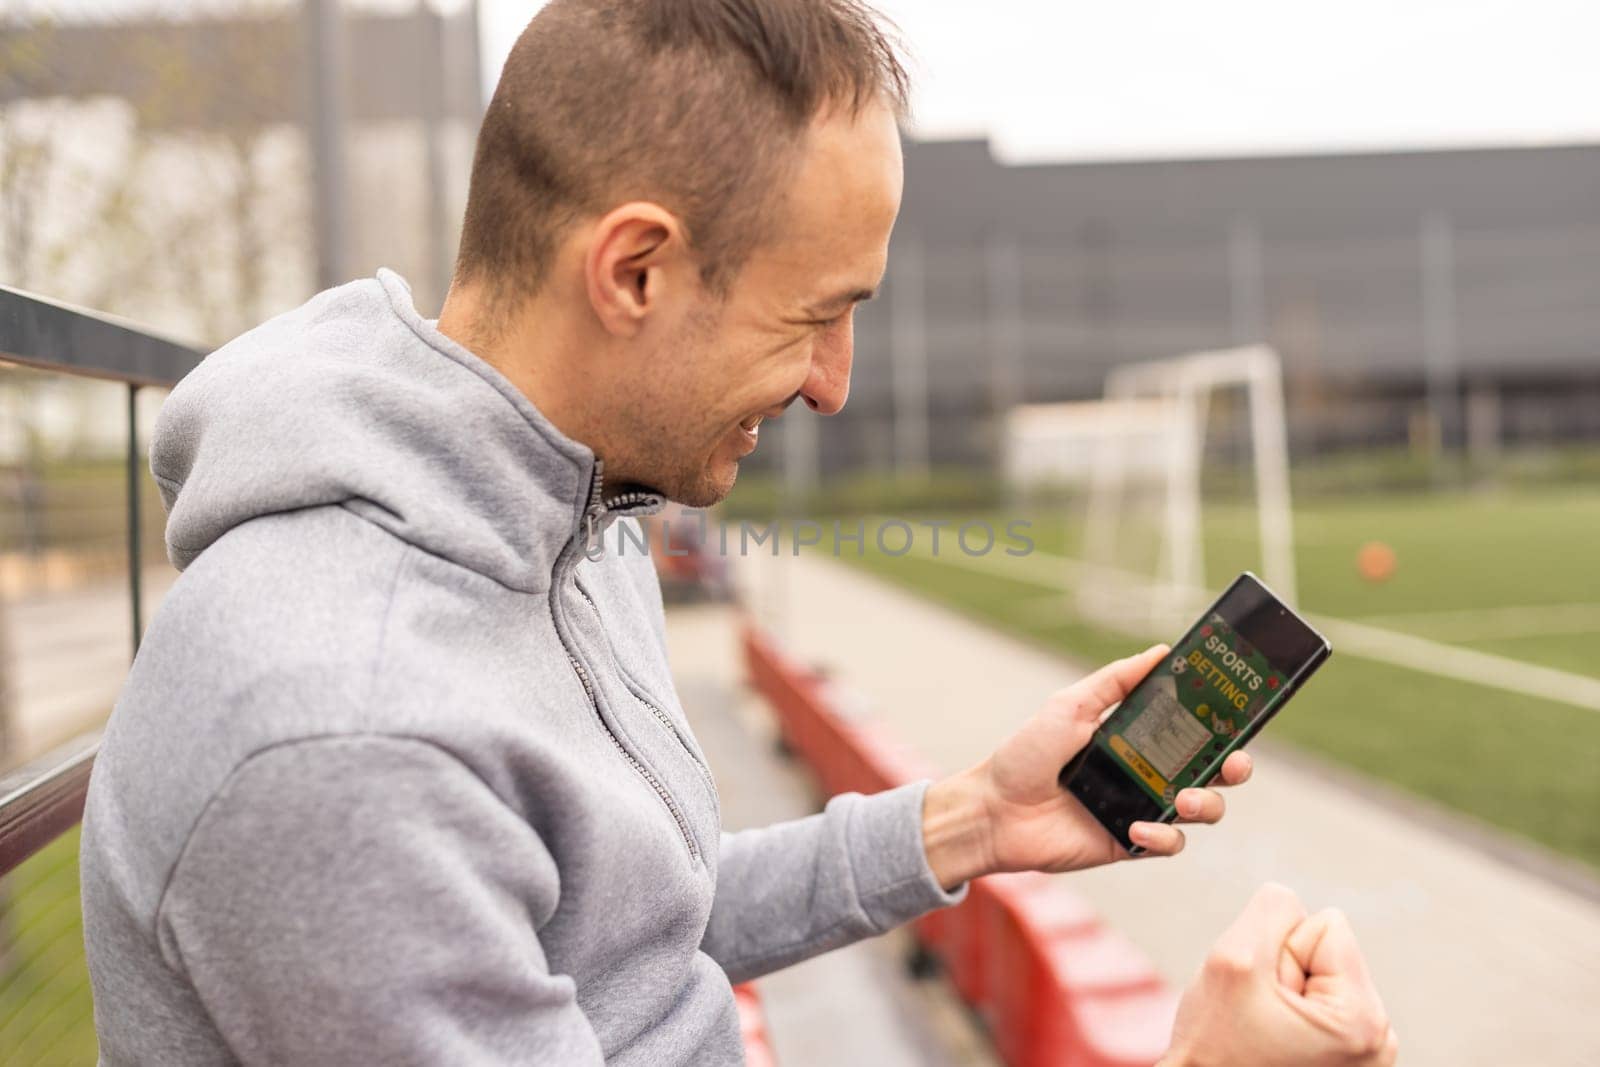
[(1427, 284)]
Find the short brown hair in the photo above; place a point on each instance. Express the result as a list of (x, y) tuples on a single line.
[(695, 104)]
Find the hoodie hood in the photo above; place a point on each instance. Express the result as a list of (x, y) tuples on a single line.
[(353, 399)]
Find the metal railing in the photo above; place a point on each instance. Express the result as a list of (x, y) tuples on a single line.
[(43, 799)]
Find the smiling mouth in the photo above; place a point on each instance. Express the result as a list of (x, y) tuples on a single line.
[(750, 433), (750, 425)]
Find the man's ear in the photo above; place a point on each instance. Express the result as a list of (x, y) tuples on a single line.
[(626, 266)]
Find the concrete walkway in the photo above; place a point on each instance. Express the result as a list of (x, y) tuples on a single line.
[(1480, 964)]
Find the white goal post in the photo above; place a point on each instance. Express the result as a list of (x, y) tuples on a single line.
[(1149, 431), (1174, 394)]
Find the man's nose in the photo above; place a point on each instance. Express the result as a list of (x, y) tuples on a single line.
[(828, 385)]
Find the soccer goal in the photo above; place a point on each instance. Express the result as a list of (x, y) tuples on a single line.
[(1141, 452)]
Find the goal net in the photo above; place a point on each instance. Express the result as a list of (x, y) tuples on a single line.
[(1140, 454)]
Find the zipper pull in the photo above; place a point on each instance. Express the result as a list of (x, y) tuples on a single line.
[(594, 515), (594, 545)]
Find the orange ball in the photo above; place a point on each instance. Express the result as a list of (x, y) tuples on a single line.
[(1376, 561)]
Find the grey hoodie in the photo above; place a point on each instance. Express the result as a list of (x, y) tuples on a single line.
[(399, 774)]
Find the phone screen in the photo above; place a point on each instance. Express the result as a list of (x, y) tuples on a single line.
[(1185, 715)]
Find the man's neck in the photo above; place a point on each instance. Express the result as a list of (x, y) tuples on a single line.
[(533, 350)]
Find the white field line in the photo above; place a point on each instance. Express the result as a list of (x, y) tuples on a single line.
[(1348, 638), (1462, 664)]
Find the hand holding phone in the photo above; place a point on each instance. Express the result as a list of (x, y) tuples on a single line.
[(1220, 684), (1009, 812)]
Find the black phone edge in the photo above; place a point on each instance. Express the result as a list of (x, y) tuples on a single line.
[(1092, 774)]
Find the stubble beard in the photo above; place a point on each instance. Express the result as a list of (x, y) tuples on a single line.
[(672, 456), (675, 469)]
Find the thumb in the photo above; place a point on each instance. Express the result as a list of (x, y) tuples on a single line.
[(1339, 991), (1088, 698), (1325, 948)]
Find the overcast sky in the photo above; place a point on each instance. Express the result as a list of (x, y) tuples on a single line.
[(1122, 79)]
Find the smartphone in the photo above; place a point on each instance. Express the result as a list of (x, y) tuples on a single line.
[(1238, 664)]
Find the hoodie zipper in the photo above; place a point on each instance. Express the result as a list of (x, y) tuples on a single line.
[(633, 761), (660, 716), (593, 527), (595, 513), (666, 721)]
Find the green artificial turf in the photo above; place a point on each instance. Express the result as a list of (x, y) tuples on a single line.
[(46, 1013)]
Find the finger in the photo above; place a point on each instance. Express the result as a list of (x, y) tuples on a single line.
[(1257, 936), (1089, 697), (1236, 769), (1333, 960), (1290, 976), (1157, 838), (1200, 805), (1325, 947)]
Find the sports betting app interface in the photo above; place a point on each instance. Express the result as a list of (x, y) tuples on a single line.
[(1191, 709)]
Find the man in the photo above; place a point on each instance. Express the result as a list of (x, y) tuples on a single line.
[(399, 775)]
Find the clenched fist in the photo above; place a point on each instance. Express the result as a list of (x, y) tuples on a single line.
[(1283, 989)]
